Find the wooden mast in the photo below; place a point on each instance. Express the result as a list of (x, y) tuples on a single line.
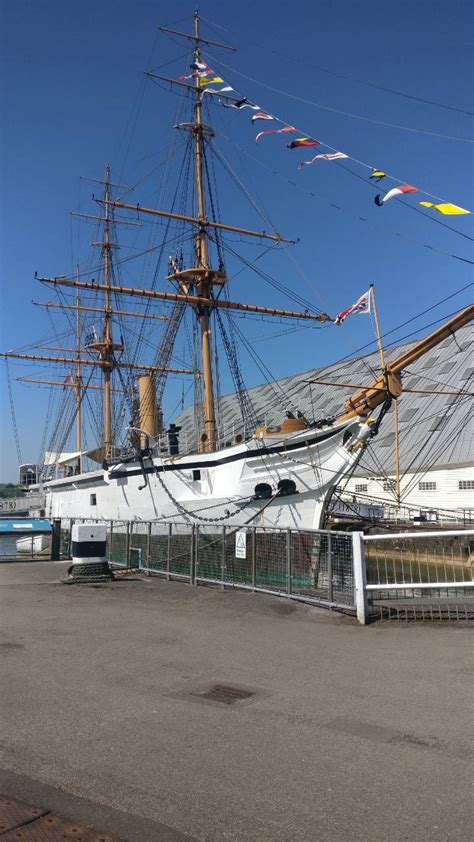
[(107, 352), (204, 283), (105, 346), (78, 383)]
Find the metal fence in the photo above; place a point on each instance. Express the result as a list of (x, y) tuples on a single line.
[(309, 565), (410, 575), (427, 575)]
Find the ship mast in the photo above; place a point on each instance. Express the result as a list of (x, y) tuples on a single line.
[(194, 284), (107, 352), (204, 284), (78, 384), (106, 347)]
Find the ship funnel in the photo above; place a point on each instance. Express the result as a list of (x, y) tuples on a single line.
[(147, 399)]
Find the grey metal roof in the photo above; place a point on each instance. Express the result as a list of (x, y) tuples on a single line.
[(434, 430)]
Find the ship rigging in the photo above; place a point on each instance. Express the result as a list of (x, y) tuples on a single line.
[(283, 474)]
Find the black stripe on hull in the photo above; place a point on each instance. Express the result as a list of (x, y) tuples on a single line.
[(235, 457)]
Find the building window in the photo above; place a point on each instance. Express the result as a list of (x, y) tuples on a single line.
[(93, 500), (361, 487), (389, 485), (466, 485), (427, 486)]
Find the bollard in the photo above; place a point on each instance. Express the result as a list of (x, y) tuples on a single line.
[(88, 546)]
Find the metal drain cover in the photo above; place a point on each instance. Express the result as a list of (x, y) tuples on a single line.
[(225, 694), (13, 814)]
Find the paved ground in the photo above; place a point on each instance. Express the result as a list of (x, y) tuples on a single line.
[(354, 732), (23, 823)]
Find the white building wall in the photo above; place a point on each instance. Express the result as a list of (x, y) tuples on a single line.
[(454, 488)]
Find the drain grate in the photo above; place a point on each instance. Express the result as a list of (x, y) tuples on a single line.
[(225, 694)]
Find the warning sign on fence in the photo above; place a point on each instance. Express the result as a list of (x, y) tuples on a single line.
[(241, 544)]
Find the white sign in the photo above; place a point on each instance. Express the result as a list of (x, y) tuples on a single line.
[(241, 544)]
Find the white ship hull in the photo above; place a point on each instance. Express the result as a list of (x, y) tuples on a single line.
[(220, 486), (34, 545)]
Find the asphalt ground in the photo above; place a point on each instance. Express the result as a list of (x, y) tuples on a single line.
[(352, 732)]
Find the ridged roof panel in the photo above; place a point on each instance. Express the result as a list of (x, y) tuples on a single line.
[(434, 429)]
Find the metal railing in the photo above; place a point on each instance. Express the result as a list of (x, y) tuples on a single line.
[(420, 574), (313, 566), (427, 575)]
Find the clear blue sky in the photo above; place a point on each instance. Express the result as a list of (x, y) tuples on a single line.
[(72, 73)]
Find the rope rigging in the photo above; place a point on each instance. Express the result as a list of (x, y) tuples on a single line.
[(12, 413)]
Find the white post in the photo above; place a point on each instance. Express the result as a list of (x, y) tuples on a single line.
[(360, 577)]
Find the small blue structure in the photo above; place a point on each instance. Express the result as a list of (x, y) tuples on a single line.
[(24, 525)]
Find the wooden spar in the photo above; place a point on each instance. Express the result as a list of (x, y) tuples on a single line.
[(101, 219), (54, 348), (196, 37), (180, 84), (191, 299), (64, 385), (389, 384), (105, 181), (102, 363), (412, 391), (100, 310), (202, 223)]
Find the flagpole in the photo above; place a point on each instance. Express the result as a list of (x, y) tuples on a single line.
[(377, 328), (397, 452), (395, 408)]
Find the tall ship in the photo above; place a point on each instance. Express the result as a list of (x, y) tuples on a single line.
[(258, 473)]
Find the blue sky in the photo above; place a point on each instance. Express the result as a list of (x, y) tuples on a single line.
[(72, 83)]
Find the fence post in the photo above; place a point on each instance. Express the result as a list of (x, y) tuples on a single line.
[(329, 568), (148, 547), (55, 540), (194, 554), (360, 577), (288, 561), (127, 543), (254, 557), (110, 548), (168, 552), (223, 557)]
